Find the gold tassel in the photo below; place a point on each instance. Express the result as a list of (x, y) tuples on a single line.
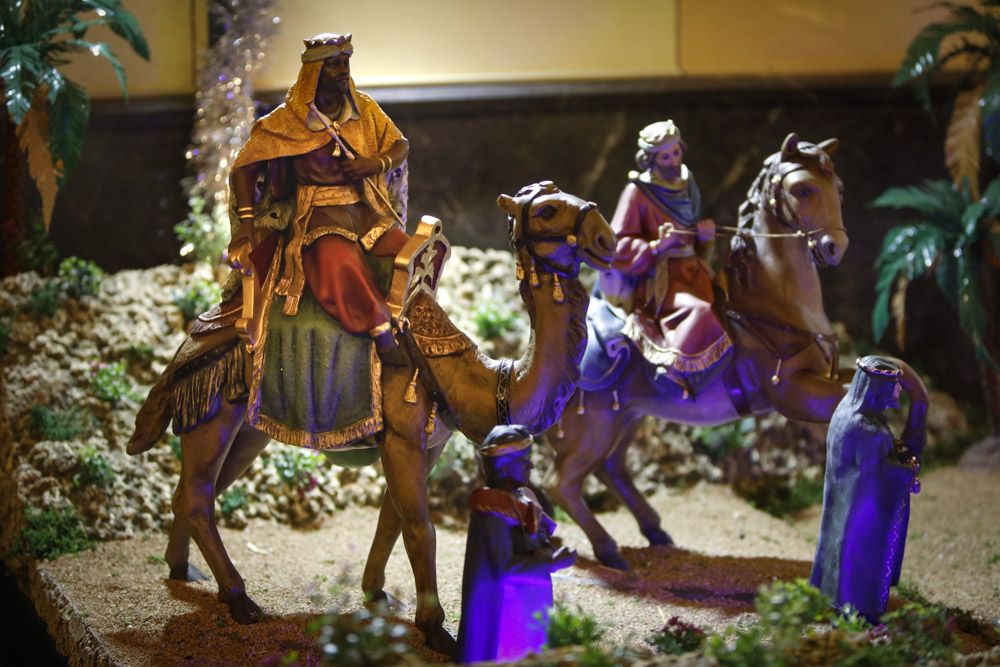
[(557, 291), (431, 420), (410, 396), (776, 378), (559, 429), (518, 269), (581, 409), (534, 274), (615, 405)]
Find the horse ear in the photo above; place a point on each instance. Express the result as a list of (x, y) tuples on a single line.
[(830, 146), (790, 146), (506, 203)]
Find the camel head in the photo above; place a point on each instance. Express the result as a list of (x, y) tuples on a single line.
[(558, 230)]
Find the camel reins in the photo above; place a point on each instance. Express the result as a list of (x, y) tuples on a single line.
[(527, 240)]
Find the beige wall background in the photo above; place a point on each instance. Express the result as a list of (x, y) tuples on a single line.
[(414, 42)]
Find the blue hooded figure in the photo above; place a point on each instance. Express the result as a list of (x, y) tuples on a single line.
[(866, 493), (507, 583)]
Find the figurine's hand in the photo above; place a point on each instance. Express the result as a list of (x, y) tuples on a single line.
[(360, 167), (706, 230), (238, 255)]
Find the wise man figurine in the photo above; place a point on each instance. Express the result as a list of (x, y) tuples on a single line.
[(866, 493), (660, 278), (507, 583)]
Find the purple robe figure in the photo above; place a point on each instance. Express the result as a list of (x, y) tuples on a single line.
[(507, 583), (866, 493)]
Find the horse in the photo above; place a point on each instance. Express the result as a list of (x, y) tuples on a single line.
[(784, 354)]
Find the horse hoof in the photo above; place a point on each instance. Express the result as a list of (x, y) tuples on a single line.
[(658, 537), (243, 610), (613, 560), (389, 600), (440, 640), (187, 572)]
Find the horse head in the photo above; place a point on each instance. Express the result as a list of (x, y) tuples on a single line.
[(800, 194), (558, 230)]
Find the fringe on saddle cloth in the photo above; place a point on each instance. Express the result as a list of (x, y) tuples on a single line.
[(312, 383)]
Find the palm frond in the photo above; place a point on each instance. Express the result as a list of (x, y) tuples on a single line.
[(908, 251), (22, 68), (122, 23), (921, 60), (991, 113), (68, 116), (102, 49), (33, 137), (961, 145), (938, 200), (897, 308), (971, 312)]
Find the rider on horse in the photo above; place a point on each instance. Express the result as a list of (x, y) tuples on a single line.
[(659, 279)]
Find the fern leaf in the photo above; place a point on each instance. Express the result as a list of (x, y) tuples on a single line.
[(961, 145), (897, 308), (33, 137)]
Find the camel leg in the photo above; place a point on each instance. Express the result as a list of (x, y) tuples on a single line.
[(615, 475), (386, 533), (587, 442), (205, 450), (406, 468), (249, 443)]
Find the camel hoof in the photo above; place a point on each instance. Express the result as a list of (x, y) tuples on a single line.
[(243, 610), (658, 537), (613, 560), (187, 572), (390, 601), (440, 640)]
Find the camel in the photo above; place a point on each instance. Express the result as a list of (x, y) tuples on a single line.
[(784, 353), (552, 233)]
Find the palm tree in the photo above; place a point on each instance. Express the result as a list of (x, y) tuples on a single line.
[(46, 113), (955, 235)]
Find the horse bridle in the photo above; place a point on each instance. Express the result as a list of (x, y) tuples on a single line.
[(527, 240), (776, 200)]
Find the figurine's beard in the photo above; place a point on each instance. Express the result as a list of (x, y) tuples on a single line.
[(669, 173)]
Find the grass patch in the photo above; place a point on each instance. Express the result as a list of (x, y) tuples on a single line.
[(110, 383), (94, 470), (44, 300), (493, 321), (571, 627), (59, 424), (51, 533)]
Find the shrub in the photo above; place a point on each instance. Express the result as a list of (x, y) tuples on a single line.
[(94, 470), (44, 300), (197, 298), (51, 533), (493, 321), (80, 277), (141, 353), (204, 236), (59, 424), (174, 441), (779, 496), (677, 637), (788, 633), (37, 252), (571, 628), (232, 499), (110, 384), (361, 638), (718, 441), (296, 468)]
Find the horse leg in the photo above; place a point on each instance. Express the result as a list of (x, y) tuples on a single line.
[(246, 447), (205, 450), (386, 533), (586, 443), (405, 465), (615, 475)]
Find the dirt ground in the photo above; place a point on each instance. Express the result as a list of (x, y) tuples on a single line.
[(121, 596)]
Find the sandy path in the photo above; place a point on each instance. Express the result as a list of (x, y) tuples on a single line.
[(120, 591)]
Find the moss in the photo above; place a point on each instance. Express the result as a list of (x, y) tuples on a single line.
[(51, 533)]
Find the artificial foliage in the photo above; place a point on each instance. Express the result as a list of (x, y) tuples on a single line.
[(224, 114), (954, 233), (46, 111)]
